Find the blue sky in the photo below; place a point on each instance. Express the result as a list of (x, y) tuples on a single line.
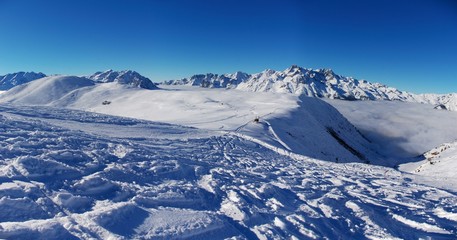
[(411, 45)]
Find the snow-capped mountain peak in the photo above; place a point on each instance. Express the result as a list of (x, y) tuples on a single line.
[(238, 75), (210, 80), (126, 77), (323, 83), (11, 80)]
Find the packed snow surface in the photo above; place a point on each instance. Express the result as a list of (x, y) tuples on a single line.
[(67, 174)]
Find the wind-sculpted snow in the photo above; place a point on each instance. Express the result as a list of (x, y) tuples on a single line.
[(67, 174)]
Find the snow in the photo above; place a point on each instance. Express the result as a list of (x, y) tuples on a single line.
[(328, 136), (421, 226), (92, 182), (126, 77), (45, 90), (322, 83), (14, 79), (444, 214), (440, 161), (210, 80), (189, 162)]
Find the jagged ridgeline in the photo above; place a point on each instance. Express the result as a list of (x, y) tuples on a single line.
[(323, 83)]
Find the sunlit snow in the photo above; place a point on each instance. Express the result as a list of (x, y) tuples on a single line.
[(187, 162)]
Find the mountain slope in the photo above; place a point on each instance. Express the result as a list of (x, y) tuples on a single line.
[(440, 161), (323, 83), (68, 174), (302, 125), (210, 80), (14, 79), (126, 77), (444, 101), (46, 90)]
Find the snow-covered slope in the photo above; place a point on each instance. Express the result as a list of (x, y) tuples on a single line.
[(46, 90), (14, 79), (299, 124), (444, 101), (126, 77), (302, 125), (440, 161), (67, 174), (323, 83)]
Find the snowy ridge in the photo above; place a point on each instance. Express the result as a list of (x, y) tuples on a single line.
[(323, 83), (67, 174), (444, 101), (303, 125), (126, 77), (210, 80), (14, 79), (46, 90)]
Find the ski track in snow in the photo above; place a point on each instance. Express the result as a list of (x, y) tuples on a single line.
[(102, 179)]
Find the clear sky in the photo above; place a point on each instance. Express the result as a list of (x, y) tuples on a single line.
[(411, 45)]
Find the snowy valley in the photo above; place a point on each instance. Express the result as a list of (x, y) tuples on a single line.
[(274, 155)]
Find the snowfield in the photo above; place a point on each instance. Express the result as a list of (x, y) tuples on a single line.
[(327, 135), (196, 163), (108, 177)]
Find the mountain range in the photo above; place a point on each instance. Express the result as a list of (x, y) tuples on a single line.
[(13, 79), (125, 77), (322, 83), (101, 157)]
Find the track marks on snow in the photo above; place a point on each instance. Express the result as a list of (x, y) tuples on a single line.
[(64, 183)]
